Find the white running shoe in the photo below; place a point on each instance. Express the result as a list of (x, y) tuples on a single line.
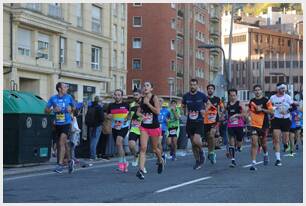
[(145, 171)]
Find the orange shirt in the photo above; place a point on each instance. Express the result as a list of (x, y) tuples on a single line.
[(259, 119), (211, 115)]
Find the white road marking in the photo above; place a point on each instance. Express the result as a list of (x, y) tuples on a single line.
[(257, 163), (183, 184), (289, 155)]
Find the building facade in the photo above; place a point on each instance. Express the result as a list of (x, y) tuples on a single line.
[(163, 46), (48, 43)]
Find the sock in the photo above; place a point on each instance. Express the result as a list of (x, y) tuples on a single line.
[(253, 162), (277, 155)]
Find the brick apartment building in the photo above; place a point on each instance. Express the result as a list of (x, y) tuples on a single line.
[(163, 40)]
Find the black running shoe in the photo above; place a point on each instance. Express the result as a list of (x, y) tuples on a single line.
[(160, 167), (233, 163), (278, 163), (197, 165), (140, 174), (253, 168)]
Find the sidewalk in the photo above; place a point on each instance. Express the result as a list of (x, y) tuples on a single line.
[(50, 165)]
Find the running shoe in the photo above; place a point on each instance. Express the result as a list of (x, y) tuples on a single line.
[(135, 162), (140, 174), (125, 166), (160, 167), (278, 163), (145, 171), (71, 166), (173, 158), (266, 160), (197, 165), (59, 169), (120, 166), (253, 168), (233, 163), (291, 154)]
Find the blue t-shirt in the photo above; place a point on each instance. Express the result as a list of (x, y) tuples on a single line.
[(63, 117), (164, 114), (194, 103), (296, 119)]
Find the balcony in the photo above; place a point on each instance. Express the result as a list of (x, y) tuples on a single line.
[(214, 32), (214, 16), (180, 74), (214, 52)]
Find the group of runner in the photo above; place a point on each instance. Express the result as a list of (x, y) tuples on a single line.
[(146, 118)]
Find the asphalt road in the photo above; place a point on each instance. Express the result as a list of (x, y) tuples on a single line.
[(179, 183)]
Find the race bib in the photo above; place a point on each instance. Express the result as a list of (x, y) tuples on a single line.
[(297, 121), (148, 119), (135, 123), (172, 132), (118, 125), (60, 117), (212, 117), (193, 115), (234, 121)]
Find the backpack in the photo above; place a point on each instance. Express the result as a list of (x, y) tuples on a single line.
[(90, 117)]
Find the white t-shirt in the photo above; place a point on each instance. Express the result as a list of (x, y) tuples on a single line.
[(281, 104)]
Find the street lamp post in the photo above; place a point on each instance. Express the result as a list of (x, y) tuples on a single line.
[(170, 82), (210, 46)]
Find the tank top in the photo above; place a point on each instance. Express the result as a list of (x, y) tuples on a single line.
[(232, 110), (150, 119)]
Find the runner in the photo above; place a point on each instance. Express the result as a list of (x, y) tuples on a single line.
[(163, 121), (173, 129), (211, 121), (259, 108), (281, 123), (195, 101), (62, 105), (120, 126), (134, 134), (149, 110), (295, 130), (235, 124)]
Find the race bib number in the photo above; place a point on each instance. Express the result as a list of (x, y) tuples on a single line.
[(148, 119), (297, 121), (172, 132), (135, 123), (193, 115), (212, 117), (60, 117), (234, 121), (118, 125)]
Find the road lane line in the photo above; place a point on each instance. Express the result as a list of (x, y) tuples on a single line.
[(257, 163), (289, 155), (183, 184)]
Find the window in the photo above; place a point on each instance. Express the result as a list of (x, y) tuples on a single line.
[(172, 44), (115, 30), (281, 78), (96, 19), (274, 79), (34, 6), (43, 46), (63, 50), (289, 43), (173, 6), (173, 65), (136, 63), (55, 10), (114, 59), (301, 79), (115, 9), (122, 11), (137, 21), (173, 23), (295, 64), (301, 64), (295, 79), (79, 51), (137, 43), (136, 84), (79, 15), (95, 58), (122, 60), (122, 35), (267, 65), (267, 80), (122, 85), (24, 39), (281, 64), (274, 64), (288, 65), (137, 4)]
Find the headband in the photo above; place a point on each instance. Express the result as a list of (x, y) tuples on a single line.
[(282, 86)]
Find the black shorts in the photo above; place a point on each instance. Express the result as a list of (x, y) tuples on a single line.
[(193, 128), (173, 132), (133, 137), (282, 124), (122, 133), (260, 132), (236, 132), (60, 129), (293, 130), (207, 128)]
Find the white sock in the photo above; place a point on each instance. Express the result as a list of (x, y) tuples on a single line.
[(253, 162), (277, 155), (266, 154)]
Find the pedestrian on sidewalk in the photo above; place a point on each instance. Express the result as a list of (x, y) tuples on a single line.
[(94, 119)]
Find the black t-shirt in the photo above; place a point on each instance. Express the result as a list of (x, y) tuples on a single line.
[(263, 103), (195, 103)]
